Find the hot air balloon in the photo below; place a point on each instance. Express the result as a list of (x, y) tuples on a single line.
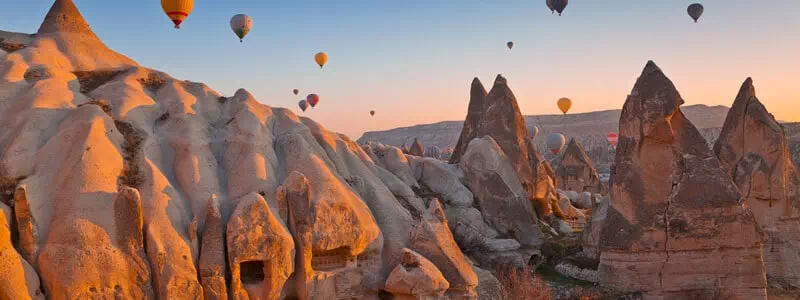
[(559, 5), (613, 137), (312, 99), (321, 58), (550, 6), (241, 24), (303, 104), (564, 104), (177, 10), (510, 44), (372, 113), (695, 11), (555, 142), (535, 132), (295, 91)]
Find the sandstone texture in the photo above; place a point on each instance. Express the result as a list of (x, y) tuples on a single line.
[(753, 149), (676, 225), (121, 181)]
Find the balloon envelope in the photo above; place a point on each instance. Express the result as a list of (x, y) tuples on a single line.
[(321, 59), (613, 138), (303, 104), (695, 11), (534, 132), (510, 45), (550, 5), (371, 112), (559, 5), (295, 91), (555, 142), (177, 10), (241, 24), (564, 104), (312, 99)]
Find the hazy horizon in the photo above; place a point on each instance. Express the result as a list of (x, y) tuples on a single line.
[(413, 62)]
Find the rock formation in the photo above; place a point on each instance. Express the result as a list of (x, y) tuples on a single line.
[(591, 233), (433, 152), (18, 279), (475, 111), (432, 238), (128, 183), (575, 171), (498, 191), (753, 149), (500, 118), (416, 277), (673, 206), (416, 148)]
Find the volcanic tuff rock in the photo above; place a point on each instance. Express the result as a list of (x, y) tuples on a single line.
[(673, 206), (502, 121), (591, 233), (416, 277), (18, 279), (416, 148), (475, 111), (129, 183), (575, 171), (754, 150), (498, 191)]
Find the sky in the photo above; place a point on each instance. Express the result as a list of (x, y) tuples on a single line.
[(412, 61)]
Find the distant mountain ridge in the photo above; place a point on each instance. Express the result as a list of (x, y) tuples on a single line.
[(589, 129), (445, 134)]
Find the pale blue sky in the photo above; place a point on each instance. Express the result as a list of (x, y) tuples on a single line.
[(412, 61)]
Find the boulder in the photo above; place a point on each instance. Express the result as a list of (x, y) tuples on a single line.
[(442, 179), (673, 206), (575, 171), (394, 161), (432, 239), (416, 278), (753, 149), (488, 285), (498, 192), (591, 233)]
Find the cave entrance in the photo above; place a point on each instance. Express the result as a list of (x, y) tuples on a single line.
[(252, 272)]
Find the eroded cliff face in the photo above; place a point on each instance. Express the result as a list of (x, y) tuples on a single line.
[(754, 150), (673, 206), (126, 182)]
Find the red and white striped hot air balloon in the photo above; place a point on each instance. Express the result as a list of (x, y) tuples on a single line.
[(613, 138)]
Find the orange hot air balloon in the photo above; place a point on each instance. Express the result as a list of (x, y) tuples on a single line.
[(321, 59), (564, 104), (177, 10), (613, 138)]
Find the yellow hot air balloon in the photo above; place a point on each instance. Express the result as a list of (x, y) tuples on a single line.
[(321, 59), (177, 10), (564, 104)]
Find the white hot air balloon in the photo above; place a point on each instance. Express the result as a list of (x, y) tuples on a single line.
[(555, 142), (241, 24)]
